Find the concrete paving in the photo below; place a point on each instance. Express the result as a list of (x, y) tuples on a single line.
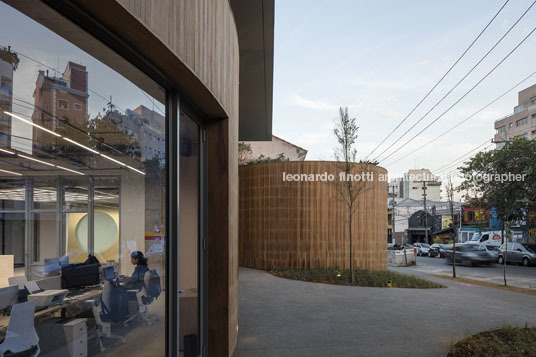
[(280, 317), (524, 277)]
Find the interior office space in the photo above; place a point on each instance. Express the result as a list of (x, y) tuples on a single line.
[(119, 124)]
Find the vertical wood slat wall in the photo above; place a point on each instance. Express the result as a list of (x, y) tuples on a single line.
[(305, 224)]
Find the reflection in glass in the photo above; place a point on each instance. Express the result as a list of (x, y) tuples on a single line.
[(12, 236), (44, 192), (75, 193), (189, 229), (82, 171), (12, 193), (44, 243)]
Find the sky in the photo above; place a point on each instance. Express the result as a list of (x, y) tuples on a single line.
[(33, 40), (380, 58)]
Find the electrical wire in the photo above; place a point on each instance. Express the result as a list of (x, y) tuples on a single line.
[(464, 120), (440, 80), (441, 168), (459, 82), (463, 96)]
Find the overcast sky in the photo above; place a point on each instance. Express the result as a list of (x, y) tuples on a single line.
[(380, 58)]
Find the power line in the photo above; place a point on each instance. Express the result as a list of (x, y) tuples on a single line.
[(440, 80), (464, 120), (58, 72), (442, 168), (459, 82), (152, 101), (460, 99)]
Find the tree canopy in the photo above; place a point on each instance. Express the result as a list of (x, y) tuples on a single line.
[(504, 179)]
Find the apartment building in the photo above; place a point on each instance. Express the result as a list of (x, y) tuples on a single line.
[(414, 183), (8, 64), (521, 123)]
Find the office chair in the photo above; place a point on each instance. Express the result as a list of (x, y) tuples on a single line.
[(17, 280), (104, 329), (144, 301), (21, 335)]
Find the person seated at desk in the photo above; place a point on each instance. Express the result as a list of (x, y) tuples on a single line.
[(136, 279)]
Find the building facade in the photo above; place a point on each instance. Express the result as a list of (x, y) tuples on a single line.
[(59, 103), (276, 149), (413, 185), (98, 178), (521, 123), (8, 65), (409, 209)]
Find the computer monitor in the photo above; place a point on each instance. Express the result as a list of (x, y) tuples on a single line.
[(8, 296), (109, 273), (75, 276)]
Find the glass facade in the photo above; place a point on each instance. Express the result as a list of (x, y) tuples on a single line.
[(84, 200)]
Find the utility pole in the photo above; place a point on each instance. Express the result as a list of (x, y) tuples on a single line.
[(425, 213), (393, 217)]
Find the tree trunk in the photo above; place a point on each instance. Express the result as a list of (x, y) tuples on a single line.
[(351, 248), (453, 254), (505, 251)]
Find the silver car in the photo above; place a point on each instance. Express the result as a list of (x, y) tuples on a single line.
[(521, 253), (470, 254), (422, 248)]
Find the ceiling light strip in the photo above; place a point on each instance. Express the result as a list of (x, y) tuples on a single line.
[(82, 146), (114, 160), (69, 140), (29, 122), (11, 172), (138, 171), (7, 151), (36, 160), (64, 168)]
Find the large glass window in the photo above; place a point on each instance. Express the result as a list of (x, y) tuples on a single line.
[(82, 195), (189, 297)]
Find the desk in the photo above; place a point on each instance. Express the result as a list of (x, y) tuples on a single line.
[(88, 295)]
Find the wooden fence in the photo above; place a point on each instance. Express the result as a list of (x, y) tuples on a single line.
[(304, 224)]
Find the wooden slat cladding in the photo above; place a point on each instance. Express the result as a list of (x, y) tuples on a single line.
[(202, 34), (304, 224)]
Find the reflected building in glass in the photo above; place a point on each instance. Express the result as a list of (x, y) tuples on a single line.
[(8, 65), (60, 104)]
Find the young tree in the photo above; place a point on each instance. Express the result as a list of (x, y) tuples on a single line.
[(503, 179), (346, 133), (450, 198), (244, 150)]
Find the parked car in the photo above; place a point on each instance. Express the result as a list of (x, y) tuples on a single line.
[(521, 253), (438, 250), (422, 248), (494, 251), (470, 254), (433, 251)]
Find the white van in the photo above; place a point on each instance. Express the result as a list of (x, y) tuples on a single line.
[(492, 238)]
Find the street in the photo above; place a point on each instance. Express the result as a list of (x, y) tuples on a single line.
[(516, 275)]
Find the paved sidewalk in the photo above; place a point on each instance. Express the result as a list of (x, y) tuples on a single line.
[(280, 317)]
